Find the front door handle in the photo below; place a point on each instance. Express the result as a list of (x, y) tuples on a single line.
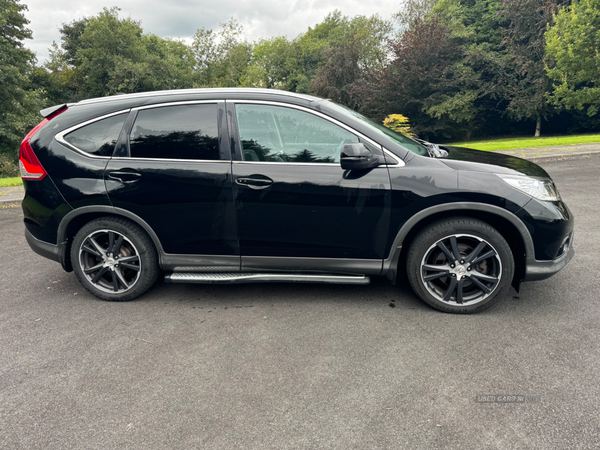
[(254, 183), (125, 177)]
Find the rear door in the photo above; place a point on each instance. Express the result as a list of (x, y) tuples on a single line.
[(172, 168), (297, 209)]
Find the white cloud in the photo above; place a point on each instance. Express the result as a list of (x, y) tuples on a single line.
[(181, 18)]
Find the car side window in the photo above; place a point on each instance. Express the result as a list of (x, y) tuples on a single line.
[(280, 134), (176, 132), (98, 138)]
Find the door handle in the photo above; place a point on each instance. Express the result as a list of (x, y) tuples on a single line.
[(125, 177), (254, 183)]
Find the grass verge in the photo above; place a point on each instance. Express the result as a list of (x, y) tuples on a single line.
[(528, 142), (6, 182)]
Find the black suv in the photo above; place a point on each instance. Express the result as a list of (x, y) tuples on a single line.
[(255, 185)]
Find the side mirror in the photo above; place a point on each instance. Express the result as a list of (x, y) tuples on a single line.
[(357, 156)]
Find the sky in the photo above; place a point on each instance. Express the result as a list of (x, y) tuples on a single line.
[(181, 18)]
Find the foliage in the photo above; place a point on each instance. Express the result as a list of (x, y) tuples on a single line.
[(399, 124), (455, 67), (19, 102), (413, 12), (573, 43), (524, 74), (221, 57), (422, 70), (350, 61), (8, 165), (105, 55)]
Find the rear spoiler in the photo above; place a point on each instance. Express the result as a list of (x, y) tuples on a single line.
[(47, 112)]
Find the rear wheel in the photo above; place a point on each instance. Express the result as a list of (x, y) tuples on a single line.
[(114, 259), (460, 265)]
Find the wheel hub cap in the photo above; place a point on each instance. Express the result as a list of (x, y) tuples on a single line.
[(460, 271)]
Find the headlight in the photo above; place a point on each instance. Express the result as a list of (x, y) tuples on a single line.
[(540, 188)]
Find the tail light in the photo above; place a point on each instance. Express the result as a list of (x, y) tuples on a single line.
[(29, 165)]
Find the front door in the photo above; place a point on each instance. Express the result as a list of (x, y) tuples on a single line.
[(296, 208)]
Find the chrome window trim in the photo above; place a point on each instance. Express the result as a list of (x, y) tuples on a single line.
[(287, 163), (60, 137), (323, 116), (204, 161), (162, 105)]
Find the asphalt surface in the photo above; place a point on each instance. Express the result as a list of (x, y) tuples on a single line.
[(283, 366)]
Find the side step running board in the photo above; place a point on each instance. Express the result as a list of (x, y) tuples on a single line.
[(237, 277)]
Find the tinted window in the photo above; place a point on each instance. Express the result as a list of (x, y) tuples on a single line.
[(98, 138), (176, 132), (404, 141), (280, 134)]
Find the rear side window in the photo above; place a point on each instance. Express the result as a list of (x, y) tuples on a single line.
[(176, 132), (98, 138)]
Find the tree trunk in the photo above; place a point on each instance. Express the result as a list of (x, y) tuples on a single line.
[(470, 131), (538, 126)]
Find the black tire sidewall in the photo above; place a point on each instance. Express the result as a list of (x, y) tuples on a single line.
[(141, 241), (446, 228)]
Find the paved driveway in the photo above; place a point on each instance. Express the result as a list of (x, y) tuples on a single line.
[(300, 366)]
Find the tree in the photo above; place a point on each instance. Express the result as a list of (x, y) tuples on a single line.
[(19, 105), (222, 57), (270, 66), (106, 54), (413, 12), (350, 59), (471, 92), (573, 44), (421, 72), (525, 72)]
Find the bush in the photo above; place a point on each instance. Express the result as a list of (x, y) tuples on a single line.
[(8, 167)]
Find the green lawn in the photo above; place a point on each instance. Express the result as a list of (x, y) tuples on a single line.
[(527, 142), (5, 182)]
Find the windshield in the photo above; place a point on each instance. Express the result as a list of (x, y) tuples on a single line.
[(404, 141)]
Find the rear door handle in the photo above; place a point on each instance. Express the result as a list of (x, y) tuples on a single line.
[(254, 183), (125, 177)]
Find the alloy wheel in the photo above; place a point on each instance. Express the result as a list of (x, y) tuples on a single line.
[(110, 261), (461, 270)]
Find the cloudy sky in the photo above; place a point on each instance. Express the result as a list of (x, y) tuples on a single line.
[(181, 18)]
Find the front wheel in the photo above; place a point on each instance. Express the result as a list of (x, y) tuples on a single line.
[(114, 259), (460, 265)]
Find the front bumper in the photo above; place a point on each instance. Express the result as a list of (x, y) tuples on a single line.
[(540, 270)]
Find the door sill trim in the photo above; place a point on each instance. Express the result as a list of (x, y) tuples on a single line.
[(237, 278)]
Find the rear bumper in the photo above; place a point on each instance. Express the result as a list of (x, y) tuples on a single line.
[(540, 270), (42, 248)]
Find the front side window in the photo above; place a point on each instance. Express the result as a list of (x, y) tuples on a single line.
[(176, 132), (280, 134), (98, 138), (404, 141)]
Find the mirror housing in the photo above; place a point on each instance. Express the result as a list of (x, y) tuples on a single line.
[(357, 156)]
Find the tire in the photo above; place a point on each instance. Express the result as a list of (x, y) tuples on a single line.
[(121, 277), (460, 265)]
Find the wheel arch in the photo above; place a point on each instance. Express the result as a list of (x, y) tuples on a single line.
[(72, 222), (506, 223)]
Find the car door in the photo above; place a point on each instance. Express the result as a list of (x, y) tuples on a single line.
[(297, 209), (172, 168)]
